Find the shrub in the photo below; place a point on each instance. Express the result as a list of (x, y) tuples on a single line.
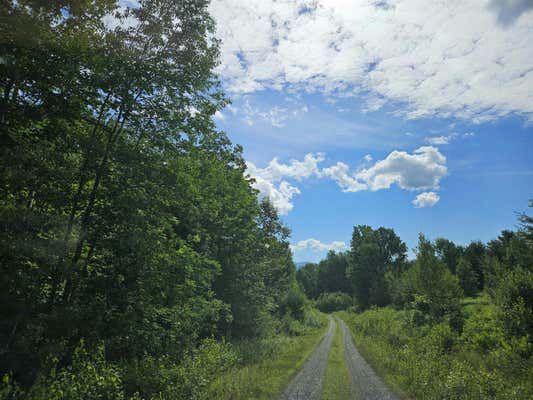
[(188, 380), (483, 331), (515, 298), (89, 377), (294, 302), (330, 302)]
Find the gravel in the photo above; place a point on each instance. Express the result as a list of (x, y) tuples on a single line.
[(307, 384), (367, 385)]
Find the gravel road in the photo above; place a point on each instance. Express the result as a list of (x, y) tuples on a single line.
[(367, 385), (307, 384)]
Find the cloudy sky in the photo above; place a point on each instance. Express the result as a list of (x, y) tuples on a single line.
[(410, 114)]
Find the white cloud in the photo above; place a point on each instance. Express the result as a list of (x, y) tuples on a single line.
[(280, 195), (271, 183), (368, 158), (418, 171), (421, 170), (447, 139), (439, 140), (341, 174), (275, 116), (219, 115), (451, 58), (299, 170), (317, 245), (426, 199)]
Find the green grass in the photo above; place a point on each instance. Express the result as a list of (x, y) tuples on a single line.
[(337, 383), (276, 362), (436, 362)]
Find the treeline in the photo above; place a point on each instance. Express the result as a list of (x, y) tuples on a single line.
[(375, 272), (132, 244)]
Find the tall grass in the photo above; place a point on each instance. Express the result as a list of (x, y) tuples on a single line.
[(267, 365), (436, 362)]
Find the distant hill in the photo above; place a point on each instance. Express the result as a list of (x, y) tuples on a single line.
[(300, 264)]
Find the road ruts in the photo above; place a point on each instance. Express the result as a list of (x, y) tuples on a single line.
[(307, 384), (367, 385)]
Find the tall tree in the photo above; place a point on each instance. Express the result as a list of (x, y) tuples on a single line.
[(332, 273), (448, 252), (372, 254), (126, 216)]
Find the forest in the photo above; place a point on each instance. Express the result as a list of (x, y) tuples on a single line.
[(138, 261)]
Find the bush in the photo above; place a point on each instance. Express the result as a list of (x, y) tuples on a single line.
[(336, 301), (483, 331), (433, 362), (515, 298), (189, 380), (89, 377), (294, 302)]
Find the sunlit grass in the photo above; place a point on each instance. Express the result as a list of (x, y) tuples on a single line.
[(266, 376)]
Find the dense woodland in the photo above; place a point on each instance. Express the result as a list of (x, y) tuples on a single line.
[(132, 241), (136, 259)]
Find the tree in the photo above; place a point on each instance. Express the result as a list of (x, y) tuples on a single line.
[(332, 273), (127, 217), (372, 254), (468, 278), (307, 277), (430, 288), (448, 253), (474, 254)]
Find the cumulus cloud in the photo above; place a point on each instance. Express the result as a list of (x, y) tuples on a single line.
[(317, 245), (426, 199), (427, 56), (271, 181), (421, 170), (418, 171), (347, 181)]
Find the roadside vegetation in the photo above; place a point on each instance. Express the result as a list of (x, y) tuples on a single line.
[(454, 323), (265, 366)]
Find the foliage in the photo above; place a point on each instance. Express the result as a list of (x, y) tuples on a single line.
[(294, 302), (433, 361), (372, 254), (127, 216), (468, 278), (330, 302), (307, 277), (189, 379), (332, 273), (89, 377), (430, 288), (448, 252), (266, 365), (515, 298)]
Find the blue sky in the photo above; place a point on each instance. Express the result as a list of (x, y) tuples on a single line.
[(411, 115)]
